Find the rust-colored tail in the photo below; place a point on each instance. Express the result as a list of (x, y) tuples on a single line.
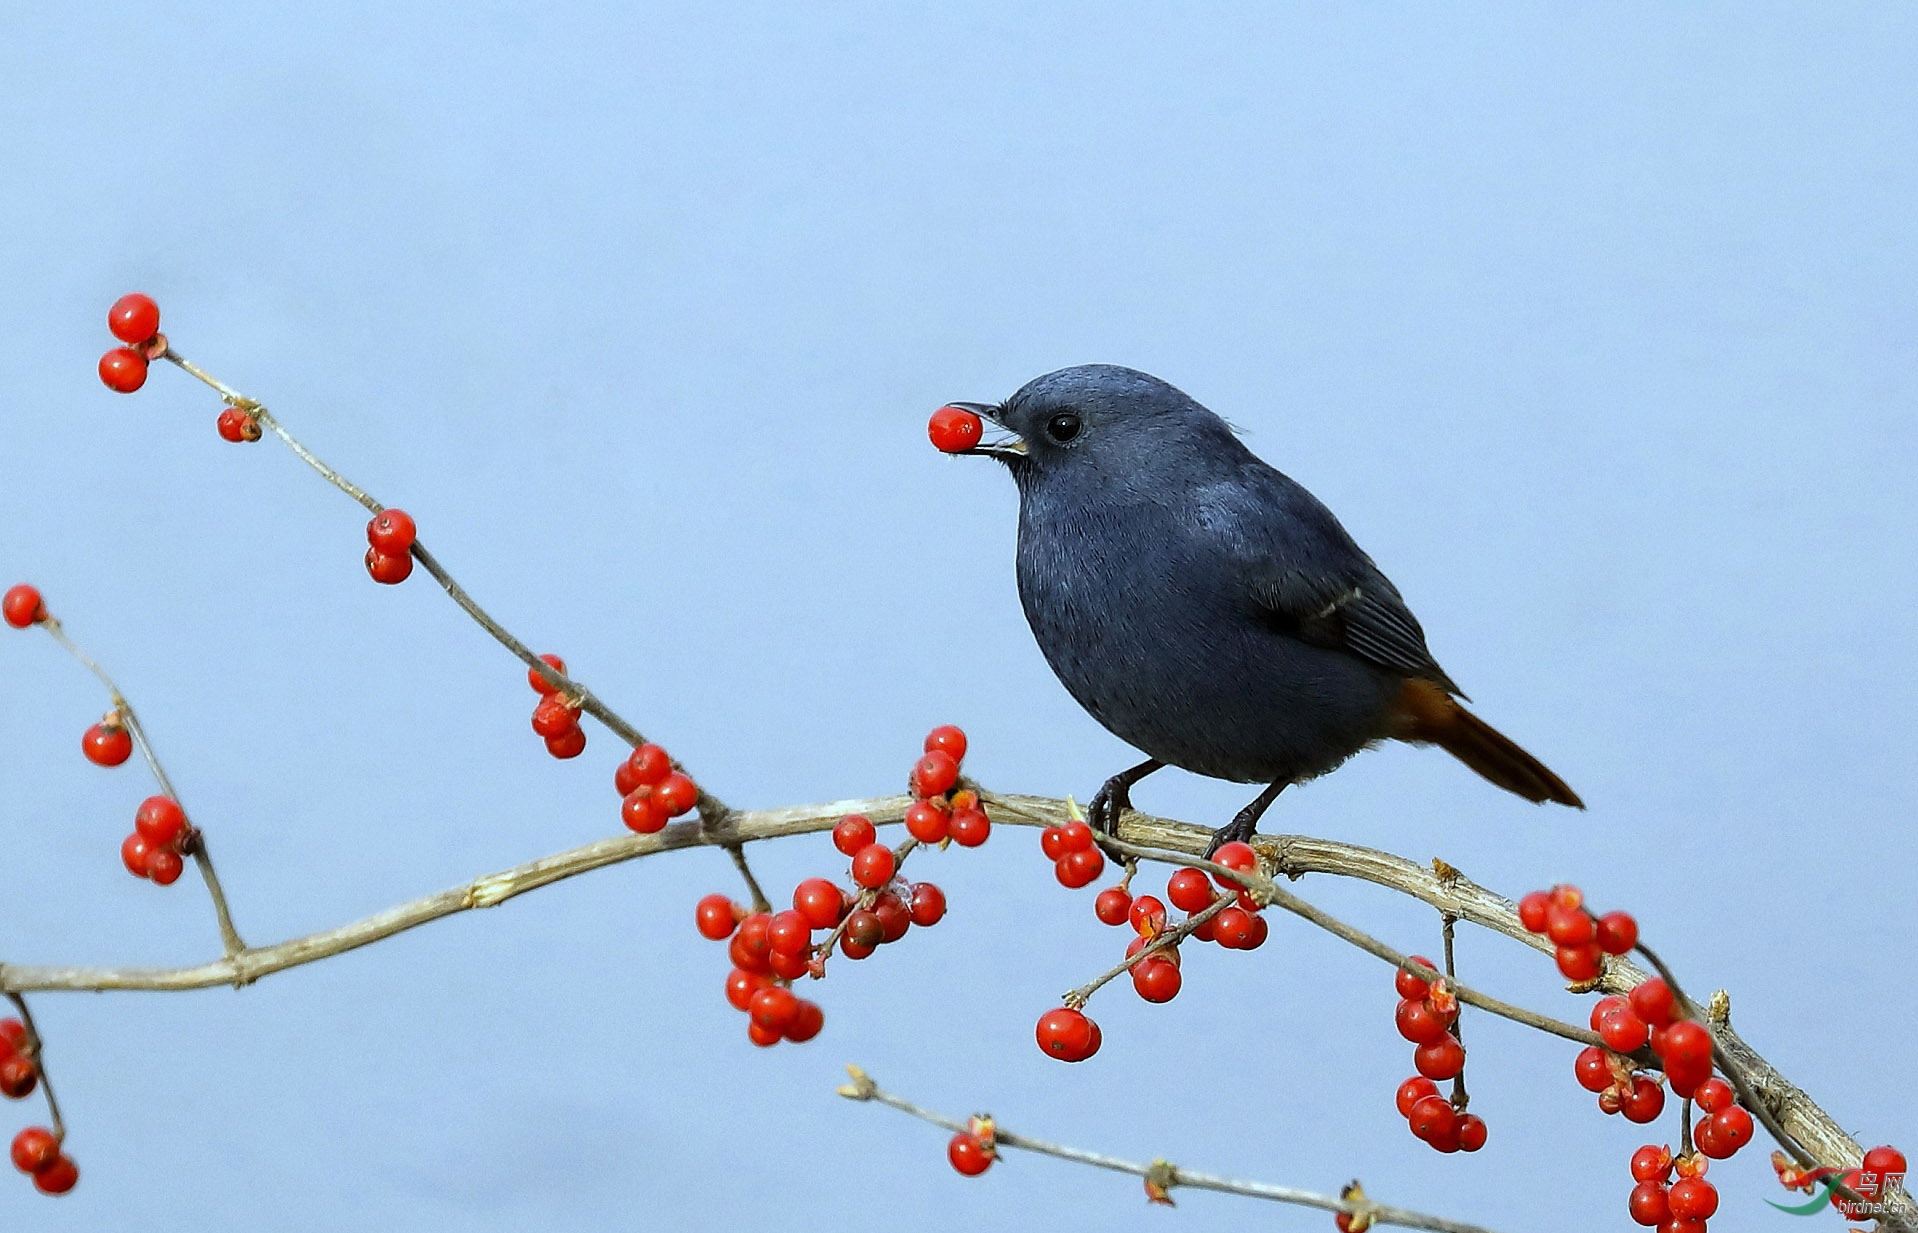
[(1429, 715)]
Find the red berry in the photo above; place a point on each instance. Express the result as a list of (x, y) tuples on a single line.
[(553, 717), (1686, 1044), (18, 1075), (388, 570), (1415, 1018), (1079, 867), (751, 947), (1189, 890), (540, 683), (895, 918), (926, 822), (1076, 836), (1733, 1128), (57, 1178), (1471, 1131), (742, 984), (134, 318), (123, 369), (1052, 841), (1649, 1205), (773, 1008), (1413, 1090), (1645, 1101), (675, 794), (1593, 1069), (1113, 905), (164, 866), (1147, 916), (1714, 1094), (1570, 927), (641, 813), (1534, 910), (716, 917), (1580, 963), (21, 606), (570, 744), (1623, 1031), (237, 426), (1235, 929), (1652, 1001), (1617, 933), (874, 865), (969, 827), (133, 854), (1684, 1077), (968, 1154), (13, 1036), (928, 904), (949, 739), (160, 821), (818, 902), (1432, 1117), (1882, 1160), (648, 764), (1067, 1034), (954, 430), (1439, 1059), (764, 1037), (806, 1022), (790, 965), (1606, 1007), (854, 833), (1693, 1198), (391, 532), (788, 932), (35, 1149), (935, 774), (1410, 986), (1239, 856), (104, 746), (1156, 980), (1651, 1163), (864, 930)]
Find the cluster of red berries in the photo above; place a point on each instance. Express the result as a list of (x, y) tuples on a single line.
[(36, 1150), (389, 555), (161, 833), (135, 321), (1582, 940), (1076, 859), (1425, 1015), (954, 430), (22, 606), (1881, 1174), (973, 1149), (1680, 1206), (770, 950)]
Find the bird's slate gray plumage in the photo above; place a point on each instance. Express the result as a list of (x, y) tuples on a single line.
[(1207, 609)]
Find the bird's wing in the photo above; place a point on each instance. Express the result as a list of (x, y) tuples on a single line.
[(1307, 573)]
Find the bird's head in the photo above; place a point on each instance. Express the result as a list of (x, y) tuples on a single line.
[(1118, 424)]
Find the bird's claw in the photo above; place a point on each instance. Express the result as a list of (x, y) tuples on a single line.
[(1106, 806)]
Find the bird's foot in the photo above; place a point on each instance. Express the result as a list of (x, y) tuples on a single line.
[(1107, 804), (1245, 823)]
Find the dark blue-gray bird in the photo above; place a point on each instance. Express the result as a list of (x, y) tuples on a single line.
[(1207, 609)]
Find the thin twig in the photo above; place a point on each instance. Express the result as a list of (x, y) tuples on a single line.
[(711, 808), (196, 847), (1077, 998), (738, 853), (36, 1049), (1161, 1172), (1461, 1099)]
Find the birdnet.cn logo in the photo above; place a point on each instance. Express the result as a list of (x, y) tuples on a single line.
[(1878, 1191)]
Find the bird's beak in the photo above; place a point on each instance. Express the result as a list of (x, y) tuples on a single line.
[(1005, 450)]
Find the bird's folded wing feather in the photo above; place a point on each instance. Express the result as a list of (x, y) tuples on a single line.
[(1302, 567)]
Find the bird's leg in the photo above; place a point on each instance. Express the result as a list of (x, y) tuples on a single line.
[(1245, 823), (1103, 810)]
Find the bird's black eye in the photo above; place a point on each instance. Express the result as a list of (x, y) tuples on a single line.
[(1063, 427)]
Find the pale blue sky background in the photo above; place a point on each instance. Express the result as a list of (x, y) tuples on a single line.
[(1596, 326)]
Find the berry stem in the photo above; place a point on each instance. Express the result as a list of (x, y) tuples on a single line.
[(36, 1050), (130, 720), (738, 852), (1461, 1099), (1077, 998), (712, 811), (1164, 1173)]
